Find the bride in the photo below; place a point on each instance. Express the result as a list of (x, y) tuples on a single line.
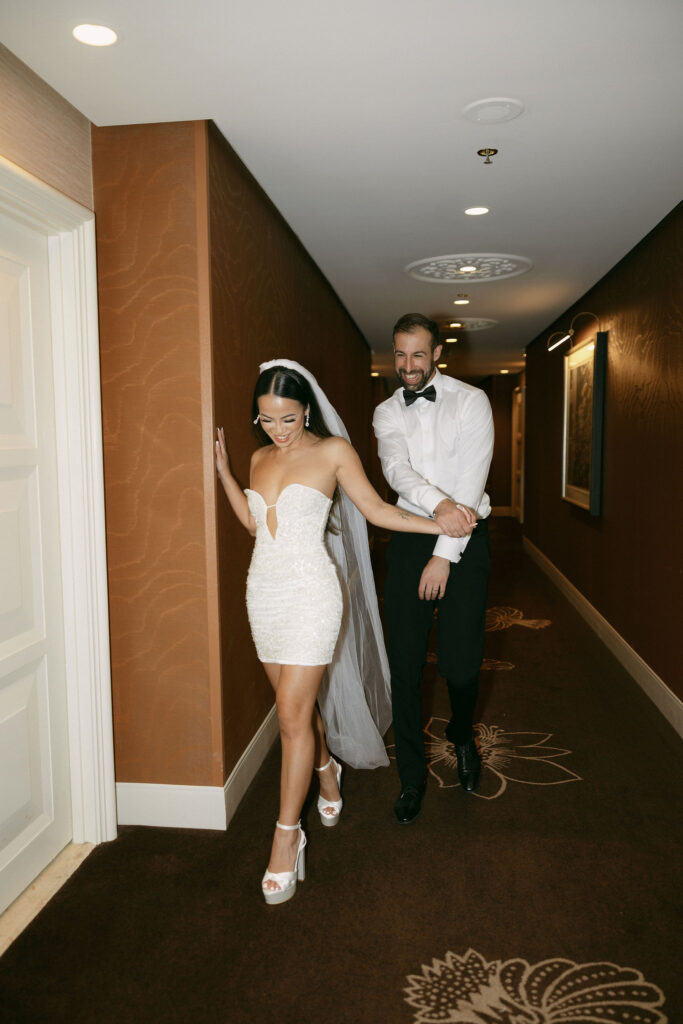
[(311, 599)]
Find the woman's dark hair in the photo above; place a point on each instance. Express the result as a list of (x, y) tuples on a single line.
[(287, 383)]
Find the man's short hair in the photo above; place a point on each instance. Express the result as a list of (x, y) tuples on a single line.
[(410, 321)]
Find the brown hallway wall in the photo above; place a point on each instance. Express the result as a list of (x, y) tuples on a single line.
[(268, 299), (149, 195), (42, 133), (628, 562)]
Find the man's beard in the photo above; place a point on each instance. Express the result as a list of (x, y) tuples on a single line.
[(422, 380)]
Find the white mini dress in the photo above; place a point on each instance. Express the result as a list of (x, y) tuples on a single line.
[(294, 599)]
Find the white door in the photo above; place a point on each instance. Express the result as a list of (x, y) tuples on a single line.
[(35, 803)]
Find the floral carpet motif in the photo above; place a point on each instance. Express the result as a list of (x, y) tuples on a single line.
[(470, 990), (505, 757), (503, 618)]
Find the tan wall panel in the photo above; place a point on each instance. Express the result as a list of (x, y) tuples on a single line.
[(268, 299), (43, 133), (146, 209), (628, 561)]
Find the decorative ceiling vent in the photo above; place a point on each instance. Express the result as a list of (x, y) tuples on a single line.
[(471, 267), (493, 110), (473, 323)]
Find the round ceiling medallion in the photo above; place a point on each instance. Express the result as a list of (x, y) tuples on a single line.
[(489, 266), (493, 110), (473, 323)]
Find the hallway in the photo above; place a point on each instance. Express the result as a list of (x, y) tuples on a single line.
[(551, 895)]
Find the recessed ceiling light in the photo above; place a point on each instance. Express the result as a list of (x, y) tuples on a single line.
[(504, 371), (451, 341), (456, 323), (476, 211), (467, 270), (493, 110), (461, 300), (374, 373), (442, 366), (95, 35)]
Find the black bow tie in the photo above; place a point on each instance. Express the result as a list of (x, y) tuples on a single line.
[(412, 396)]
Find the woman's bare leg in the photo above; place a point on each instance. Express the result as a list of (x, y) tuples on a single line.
[(296, 689), (329, 790), (328, 779)]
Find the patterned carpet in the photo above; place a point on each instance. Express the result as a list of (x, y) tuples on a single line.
[(551, 896)]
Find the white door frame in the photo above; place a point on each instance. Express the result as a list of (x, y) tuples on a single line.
[(70, 231)]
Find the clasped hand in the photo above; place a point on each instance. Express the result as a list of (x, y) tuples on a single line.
[(453, 519)]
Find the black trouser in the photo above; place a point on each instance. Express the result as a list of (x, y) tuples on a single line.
[(460, 640)]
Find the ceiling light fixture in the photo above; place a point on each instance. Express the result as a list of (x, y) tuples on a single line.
[(442, 366), (474, 323), (451, 341), (558, 338), (95, 35), (488, 153), (483, 266), (374, 373), (461, 300), (504, 371), (456, 323), (476, 211)]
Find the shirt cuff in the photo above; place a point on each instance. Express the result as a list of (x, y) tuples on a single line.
[(433, 497), (451, 548)]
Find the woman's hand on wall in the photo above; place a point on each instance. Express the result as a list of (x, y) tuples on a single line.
[(222, 458)]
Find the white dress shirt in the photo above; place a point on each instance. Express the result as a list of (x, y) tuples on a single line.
[(435, 450)]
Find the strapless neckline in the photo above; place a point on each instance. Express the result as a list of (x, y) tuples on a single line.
[(250, 490)]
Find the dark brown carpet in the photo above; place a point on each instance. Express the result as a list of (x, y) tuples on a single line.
[(570, 859)]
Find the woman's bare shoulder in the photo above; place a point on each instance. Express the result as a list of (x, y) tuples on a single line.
[(336, 444), (258, 455), (336, 449)]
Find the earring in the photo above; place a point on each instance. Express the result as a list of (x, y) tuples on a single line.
[(307, 420), (258, 417)]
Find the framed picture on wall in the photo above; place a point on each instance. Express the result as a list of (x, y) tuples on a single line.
[(584, 403)]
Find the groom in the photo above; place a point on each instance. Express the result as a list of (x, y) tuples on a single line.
[(435, 441)]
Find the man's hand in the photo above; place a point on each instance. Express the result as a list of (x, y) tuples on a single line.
[(434, 578), (454, 520)]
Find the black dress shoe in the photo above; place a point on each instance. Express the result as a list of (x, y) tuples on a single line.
[(409, 804), (469, 765)]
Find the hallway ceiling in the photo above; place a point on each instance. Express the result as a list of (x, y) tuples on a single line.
[(350, 117)]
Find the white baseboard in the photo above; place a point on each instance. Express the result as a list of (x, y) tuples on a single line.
[(141, 803), (659, 693), (249, 763)]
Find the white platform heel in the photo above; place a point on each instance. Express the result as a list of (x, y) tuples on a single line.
[(286, 879), (329, 810)]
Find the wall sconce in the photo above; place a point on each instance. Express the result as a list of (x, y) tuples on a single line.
[(559, 337)]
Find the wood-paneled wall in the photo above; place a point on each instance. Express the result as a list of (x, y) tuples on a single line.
[(200, 280), (269, 300), (43, 133), (629, 561), (148, 195)]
